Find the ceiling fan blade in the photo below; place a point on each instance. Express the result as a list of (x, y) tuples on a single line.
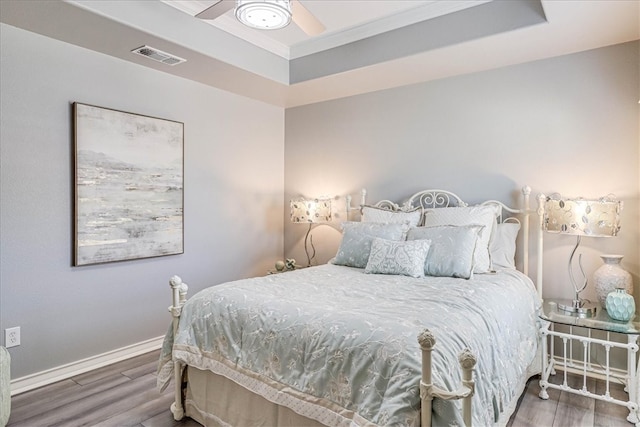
[(305, 19), (217, 9)]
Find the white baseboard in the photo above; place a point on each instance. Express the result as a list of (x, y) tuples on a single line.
[(39, 379)]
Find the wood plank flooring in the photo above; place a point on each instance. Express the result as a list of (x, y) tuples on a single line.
[(124, 394), (564, 409)]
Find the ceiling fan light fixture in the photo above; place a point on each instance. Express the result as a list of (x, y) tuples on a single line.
[(264, 14)]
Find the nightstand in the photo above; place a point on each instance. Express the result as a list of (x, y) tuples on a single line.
[(565, 361)]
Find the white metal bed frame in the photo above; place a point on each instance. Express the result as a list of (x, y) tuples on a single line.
[(428, 391)]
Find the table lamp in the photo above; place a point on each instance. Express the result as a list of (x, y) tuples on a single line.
[(310, 211), (581, 217)]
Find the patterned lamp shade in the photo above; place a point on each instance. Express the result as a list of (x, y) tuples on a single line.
[(582, 217), (311, 210)]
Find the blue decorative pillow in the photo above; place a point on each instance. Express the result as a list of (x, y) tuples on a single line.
[(452, 249), (398, 257), (357, 238)]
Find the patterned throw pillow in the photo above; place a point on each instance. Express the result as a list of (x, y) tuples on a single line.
[(357, 238), (452, 249), (398, 257), (375, 214), (473, 215)]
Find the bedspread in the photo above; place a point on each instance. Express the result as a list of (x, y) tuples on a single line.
[(340, 346)]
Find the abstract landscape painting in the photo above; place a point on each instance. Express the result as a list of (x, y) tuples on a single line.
[(128, 186)]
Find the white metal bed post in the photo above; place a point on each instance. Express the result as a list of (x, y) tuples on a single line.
[(526, 192), (363, 198), (467, 362), (179, 291), (541, 199), (545, 338), (427, 341), (428, 391)]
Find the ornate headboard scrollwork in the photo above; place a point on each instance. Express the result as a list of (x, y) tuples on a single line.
[(429, 199), (389, 205), (422, 200)]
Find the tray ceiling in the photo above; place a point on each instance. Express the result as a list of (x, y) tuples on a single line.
[(368, 45)]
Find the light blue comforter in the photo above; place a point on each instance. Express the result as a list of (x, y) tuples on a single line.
[(340, 346)]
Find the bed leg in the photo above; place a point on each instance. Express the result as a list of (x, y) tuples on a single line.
[(179, 293), (176, 407), (427, 390)]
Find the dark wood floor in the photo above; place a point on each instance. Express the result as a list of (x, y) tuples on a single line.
[(124, 394)]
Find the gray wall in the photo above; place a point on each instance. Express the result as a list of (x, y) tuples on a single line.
[(566, 124), (233, 199)]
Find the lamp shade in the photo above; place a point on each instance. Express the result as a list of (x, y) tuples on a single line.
[(582, 217), (311, 210)]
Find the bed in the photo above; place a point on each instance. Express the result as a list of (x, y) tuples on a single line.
[(420, 319)]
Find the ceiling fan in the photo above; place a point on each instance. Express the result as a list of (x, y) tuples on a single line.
[(267, 14)]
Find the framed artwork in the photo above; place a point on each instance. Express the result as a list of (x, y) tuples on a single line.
[(128, 186)]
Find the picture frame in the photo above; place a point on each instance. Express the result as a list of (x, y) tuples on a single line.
[(128, 186)]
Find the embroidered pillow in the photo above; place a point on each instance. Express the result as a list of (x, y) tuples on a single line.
[(473, 215), (503, 245), (375, 214), (398, 257), (357, 238), (452, 249)]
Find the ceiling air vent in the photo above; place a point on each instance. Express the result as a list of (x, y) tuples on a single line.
[(158, 55)]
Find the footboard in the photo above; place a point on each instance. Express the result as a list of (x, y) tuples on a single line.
[(179, 293), (428, 391)]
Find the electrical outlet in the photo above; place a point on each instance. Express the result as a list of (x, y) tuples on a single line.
[(12, 337)]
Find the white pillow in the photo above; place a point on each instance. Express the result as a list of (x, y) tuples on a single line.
[(503, 245), (398, 257), (452, 249), (357, 238), (484, 216), (375, 214)]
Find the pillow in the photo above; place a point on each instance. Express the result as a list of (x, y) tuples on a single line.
[(472, 215), (357, 238), (503, 245), (398, 257), (375, 214), (452, 249)]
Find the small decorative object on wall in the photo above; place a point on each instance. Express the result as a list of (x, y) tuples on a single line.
[(581, 217), (310, 211), (128, 186), (611, 276), (620, 305)]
